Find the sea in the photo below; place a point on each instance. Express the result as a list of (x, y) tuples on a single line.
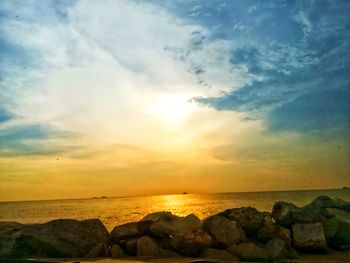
[(114, 211)]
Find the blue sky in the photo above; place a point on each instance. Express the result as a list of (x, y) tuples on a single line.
[(171, 85), (298, 52)]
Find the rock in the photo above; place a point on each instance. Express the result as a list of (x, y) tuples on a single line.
[(57, 238), (292, 253), (281, 212), (218, 254), (147, 247), (248, 217), (181, 234), (338, 215), (309, 237), (129, 230), (287, 214), (327, 202), (274, 231), (187, 243), (153, 217), (164, 253), (224, 231), (130, 245), (100, 250), (268, 221), (249, 252), (341, 240), (276, 249), (169, 224), (330, 227), (116, 251)]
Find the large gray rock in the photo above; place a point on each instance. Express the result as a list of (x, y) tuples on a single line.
[(130, 246), (341, 239), (116, 251), (274, 231), (181, 234), (327, 202), (156, 216), (169, 224), (248, 251), (309, 237), (276, 249), (57, 238), (147, 247), (225, 232), (338, 215), (248, 217), (129, 230), (218, 254), (287, 214), (100, 250), (187, 243)]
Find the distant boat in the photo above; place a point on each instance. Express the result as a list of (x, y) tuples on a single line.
[(184, 193)]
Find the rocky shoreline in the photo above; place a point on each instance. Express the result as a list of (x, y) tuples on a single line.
[(237, 234)]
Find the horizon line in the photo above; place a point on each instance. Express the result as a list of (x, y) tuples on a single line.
[(177, 193)]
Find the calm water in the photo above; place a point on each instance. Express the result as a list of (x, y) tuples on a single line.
[(114, 211)]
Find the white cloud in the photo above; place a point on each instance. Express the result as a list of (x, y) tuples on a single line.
[(100, 71)]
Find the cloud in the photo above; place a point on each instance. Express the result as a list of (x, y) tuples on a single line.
[(89, 69), (308, 60)]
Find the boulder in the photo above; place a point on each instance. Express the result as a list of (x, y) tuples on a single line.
[(116, 251), (338, 215), (164, 253), (276, 249), (330, 228), (181, 234), (187, 243), (156, 216), (130, 246), (129, 230), (309, 237), (327, 202), (282, 211), (57, 238), (169, 224), (274, 231), (248, 217), (287, 214), (147, 247), (268, 220), (225, 232), (218, 254), (341, 239), (248, 251), (100, 250)]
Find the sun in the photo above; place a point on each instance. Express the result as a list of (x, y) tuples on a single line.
[(172, 110)]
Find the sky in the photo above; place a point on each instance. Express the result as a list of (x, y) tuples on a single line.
[(139, 97)]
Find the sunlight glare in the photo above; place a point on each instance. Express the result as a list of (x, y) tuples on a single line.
[(171, 109)]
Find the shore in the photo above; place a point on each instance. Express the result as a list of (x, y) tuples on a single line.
[(317, 232)]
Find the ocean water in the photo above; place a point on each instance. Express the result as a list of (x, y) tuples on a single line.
[(119, 210)]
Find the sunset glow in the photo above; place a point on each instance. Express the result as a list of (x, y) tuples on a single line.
[(161, 97)]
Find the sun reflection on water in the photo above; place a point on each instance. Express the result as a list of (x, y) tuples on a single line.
[(120, 210)]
